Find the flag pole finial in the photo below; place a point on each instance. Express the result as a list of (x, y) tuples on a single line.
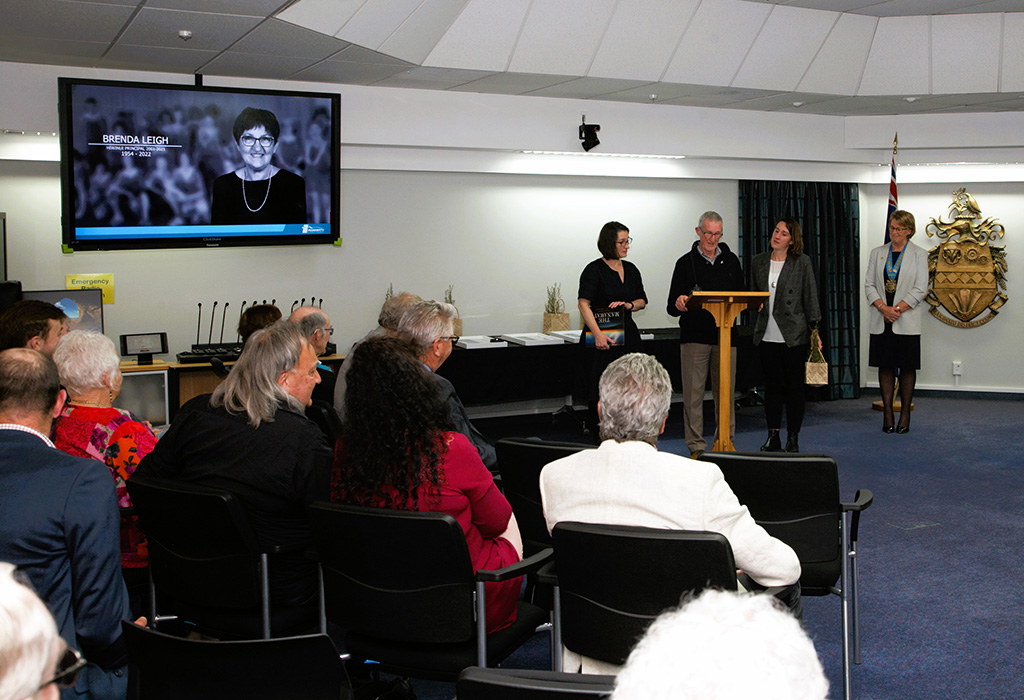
[(895, 142)]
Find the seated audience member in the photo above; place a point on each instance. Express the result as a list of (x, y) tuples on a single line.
[(89, 425), (255, 317), (31, 323), (429, 325), (398, 451), (60, 523), (387, 324), (627, 481), (34, 660), (723, 645), (250, 437), (316, 327)]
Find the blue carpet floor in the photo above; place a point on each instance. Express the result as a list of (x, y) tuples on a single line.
[(940, 549)]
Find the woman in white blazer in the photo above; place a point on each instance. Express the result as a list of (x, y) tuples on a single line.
[(896, 284)]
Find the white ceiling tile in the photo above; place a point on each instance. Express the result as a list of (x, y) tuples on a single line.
[(30, 50), (784, 102), (710, 56), (432, 78), (278, 38), (663, 92), (327, 16), (357, 54), (62, 20), (376, 20), (156, 58), (718, 97), (238, 63), (254, 8), (1013, 53), (965, 53), (837, 68), (902, 8), (999, 6), (209, 32), (512, 83), (347, 72), (784, 48), (561, 37), (482, 37), (898, 62), (418, 35), (586, 88), (641, 39)]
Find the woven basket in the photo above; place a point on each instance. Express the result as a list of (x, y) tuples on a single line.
[(816, 369)]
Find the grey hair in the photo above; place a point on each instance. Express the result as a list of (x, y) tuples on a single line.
[(311, 323), (84, 359), (709, 216), (29, 642), (394, 308), (723, 644), (425, 322), (251, 386), (635, 393)]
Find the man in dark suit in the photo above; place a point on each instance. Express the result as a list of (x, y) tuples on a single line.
[(429, 325), (60, 523)]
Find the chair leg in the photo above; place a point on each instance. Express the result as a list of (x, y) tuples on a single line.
[(265, 595), (322, 603), (844, 596), (481, 626), (556, 629), (855, 604)]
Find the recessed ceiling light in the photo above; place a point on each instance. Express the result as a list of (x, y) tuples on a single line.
[(798, 104), (910, 99)]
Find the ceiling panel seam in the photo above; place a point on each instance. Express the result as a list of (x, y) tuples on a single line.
[(519, 36), (821, 45), (1002, 42), (750, 47), (604, 37), (931, 58), (120, 33), (679, 42), (867, 57)]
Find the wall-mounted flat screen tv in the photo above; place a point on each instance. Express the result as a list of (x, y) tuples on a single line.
[(167, 166)]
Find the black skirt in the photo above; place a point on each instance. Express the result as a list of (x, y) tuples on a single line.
[(888, 350)]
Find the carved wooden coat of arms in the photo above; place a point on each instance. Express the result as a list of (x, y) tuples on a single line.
[(966, 272)]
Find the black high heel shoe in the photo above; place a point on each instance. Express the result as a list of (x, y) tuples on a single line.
[(888, 428), (888, 424), (902, 429)]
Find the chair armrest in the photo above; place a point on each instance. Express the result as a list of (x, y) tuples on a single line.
[(862, 499), (528, 565), (293, 547), (548, 574)]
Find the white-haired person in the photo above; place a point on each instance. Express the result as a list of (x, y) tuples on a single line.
[(720, 646), (90, 426), (430, 327), (252, 438), (34, 661), (627, 481)]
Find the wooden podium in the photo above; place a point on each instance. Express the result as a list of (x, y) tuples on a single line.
[(725, 307)]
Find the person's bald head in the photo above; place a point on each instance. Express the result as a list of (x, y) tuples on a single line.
[(315, 325)]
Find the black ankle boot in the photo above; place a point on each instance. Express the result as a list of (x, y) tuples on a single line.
[(773, 443), (791, 443)]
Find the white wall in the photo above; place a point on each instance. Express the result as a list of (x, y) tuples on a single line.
[(435, 192)]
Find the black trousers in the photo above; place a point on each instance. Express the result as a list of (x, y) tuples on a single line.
[(784, 379)]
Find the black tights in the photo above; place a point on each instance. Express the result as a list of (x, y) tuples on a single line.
[(887, 384)]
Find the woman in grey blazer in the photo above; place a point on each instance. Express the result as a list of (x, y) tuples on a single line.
[(896, 283), (782, 333)]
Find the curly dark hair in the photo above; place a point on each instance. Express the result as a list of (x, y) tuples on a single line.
[(392, 442)]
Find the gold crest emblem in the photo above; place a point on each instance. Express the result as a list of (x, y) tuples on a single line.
[(966, 272)]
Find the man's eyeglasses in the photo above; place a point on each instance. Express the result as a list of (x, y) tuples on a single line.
[(66, 673), (625, 241), (328, 331), (249, 141), (712, 234), (453, 338)]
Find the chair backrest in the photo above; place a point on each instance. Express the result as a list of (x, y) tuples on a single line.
[(520, 461), (326, 418), (795, 497), (614, 580), (202, 548), (396, 575), (163, 667), (477, 683)]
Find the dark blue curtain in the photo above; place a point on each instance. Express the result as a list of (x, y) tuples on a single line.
[(829, 218)]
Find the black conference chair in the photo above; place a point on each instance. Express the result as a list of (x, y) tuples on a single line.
[(477, 683), (163, 667), (614, 580), (520, 461), (326, 418), (204, 556), (795, 497), (402, 585)]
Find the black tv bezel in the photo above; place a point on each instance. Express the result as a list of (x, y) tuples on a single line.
[(71, 244)]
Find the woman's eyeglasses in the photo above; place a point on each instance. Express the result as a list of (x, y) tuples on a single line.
[(249, 141), (66, 673), (624, 241)]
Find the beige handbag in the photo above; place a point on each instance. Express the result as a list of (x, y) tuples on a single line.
[(816, 368)]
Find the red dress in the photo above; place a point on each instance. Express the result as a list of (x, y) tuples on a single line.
[(468, 494), (117, 439)]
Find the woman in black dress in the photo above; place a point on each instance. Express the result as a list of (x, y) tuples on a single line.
[(610, 282)]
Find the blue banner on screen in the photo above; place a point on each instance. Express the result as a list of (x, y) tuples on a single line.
[(157, 166)]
